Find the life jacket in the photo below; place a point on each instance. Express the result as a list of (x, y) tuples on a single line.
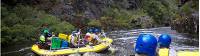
[(63, 36), (92, 36), (163, 52), (42, 39), (69, 38), (93, 39), (74, 39), (88, 37)]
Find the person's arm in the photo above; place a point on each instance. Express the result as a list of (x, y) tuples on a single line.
[(72, 41), (97, 38)]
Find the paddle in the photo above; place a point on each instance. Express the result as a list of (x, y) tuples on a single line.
[(111, 48), (79, 33), (104, 34)]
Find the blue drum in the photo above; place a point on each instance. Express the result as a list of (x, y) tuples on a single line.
[(65, 44)]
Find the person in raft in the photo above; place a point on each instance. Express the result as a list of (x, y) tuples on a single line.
[(43, 42), (146, 45), (164, 42), (92, 36), (43, 37), (76, 40), (87, 37), (95, 35), (73, 38)]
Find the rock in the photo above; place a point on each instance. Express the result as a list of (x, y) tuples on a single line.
[(91, 54)]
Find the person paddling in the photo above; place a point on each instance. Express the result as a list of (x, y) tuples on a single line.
[(96, 38), (164, 42), (88, 37)]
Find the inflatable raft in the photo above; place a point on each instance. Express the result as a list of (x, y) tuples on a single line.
[(97, 48), (165, 52)]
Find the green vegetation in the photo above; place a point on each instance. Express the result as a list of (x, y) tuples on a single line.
[(22, 20), (152, 13), (23, 23), (163, 12)]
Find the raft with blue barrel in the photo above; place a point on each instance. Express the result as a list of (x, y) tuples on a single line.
[(97, 48)]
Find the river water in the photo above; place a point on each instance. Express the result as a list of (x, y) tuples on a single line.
[(123, 43)]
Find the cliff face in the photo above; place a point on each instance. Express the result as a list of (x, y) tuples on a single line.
[(69, 9), (187, 21), (187, 24), (83, 10)]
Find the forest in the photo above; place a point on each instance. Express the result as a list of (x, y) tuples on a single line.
[(21, 20)]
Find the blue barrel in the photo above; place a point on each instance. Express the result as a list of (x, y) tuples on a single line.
[(64, 44)]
